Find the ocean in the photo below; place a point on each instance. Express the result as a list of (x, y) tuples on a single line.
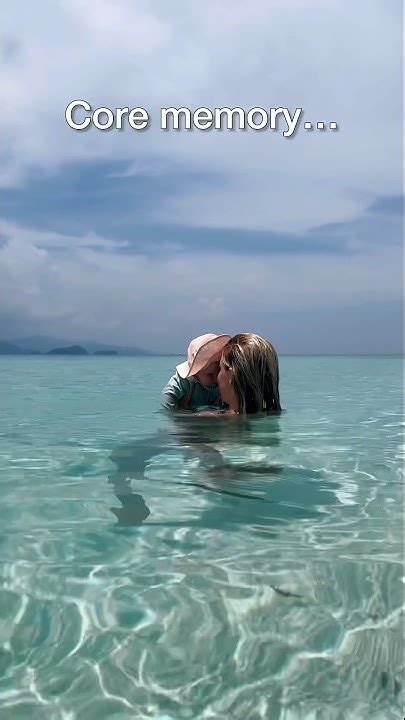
[(200, 568)]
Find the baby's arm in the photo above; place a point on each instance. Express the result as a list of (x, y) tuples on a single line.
[(177, 393)]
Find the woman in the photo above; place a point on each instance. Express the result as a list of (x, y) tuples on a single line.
[(248, 379), (248, 382)]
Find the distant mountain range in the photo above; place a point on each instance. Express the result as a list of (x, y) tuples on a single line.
[(7, 348), (68, 350), (41, 344)]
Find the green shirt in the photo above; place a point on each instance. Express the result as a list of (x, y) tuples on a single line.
[(177, 387)]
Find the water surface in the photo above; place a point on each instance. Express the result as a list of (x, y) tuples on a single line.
[(199, 568)]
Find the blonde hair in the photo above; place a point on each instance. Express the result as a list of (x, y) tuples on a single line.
[(254, 364)]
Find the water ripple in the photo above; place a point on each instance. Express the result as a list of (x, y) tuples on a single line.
[(152, 569)]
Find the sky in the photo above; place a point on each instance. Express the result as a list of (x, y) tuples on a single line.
[(150, 238)]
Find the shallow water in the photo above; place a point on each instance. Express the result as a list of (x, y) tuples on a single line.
[(200, 568)]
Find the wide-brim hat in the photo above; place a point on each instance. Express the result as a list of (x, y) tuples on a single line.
[(202, 351)]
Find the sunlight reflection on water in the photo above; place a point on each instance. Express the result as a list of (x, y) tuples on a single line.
[(156, 567)]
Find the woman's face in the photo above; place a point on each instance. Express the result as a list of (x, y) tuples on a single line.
[(225, 383)]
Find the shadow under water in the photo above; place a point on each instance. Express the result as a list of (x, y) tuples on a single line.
[(241, 490)]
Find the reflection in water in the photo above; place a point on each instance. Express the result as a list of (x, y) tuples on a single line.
[(239, 491), (200, 619), (133, 510)]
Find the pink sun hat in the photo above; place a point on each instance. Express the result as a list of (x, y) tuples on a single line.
[(202, 351)]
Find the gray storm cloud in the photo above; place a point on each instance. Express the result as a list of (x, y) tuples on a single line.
[(339, 61), (320, 56)]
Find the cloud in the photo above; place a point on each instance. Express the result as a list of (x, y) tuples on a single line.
[(16, 234), (317, 55), (93, 291), (154, 237), (260, 202)]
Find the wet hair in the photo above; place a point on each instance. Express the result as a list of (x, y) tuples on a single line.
[(254, 364)]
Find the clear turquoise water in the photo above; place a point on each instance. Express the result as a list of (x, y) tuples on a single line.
[(200, 568)]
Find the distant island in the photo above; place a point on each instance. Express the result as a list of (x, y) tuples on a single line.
[(70, 350), (43, 345), (7, 348)]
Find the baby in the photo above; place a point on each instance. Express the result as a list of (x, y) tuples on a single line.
[(195, 380)]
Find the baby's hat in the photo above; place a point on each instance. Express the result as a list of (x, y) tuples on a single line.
[(202, 351)]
